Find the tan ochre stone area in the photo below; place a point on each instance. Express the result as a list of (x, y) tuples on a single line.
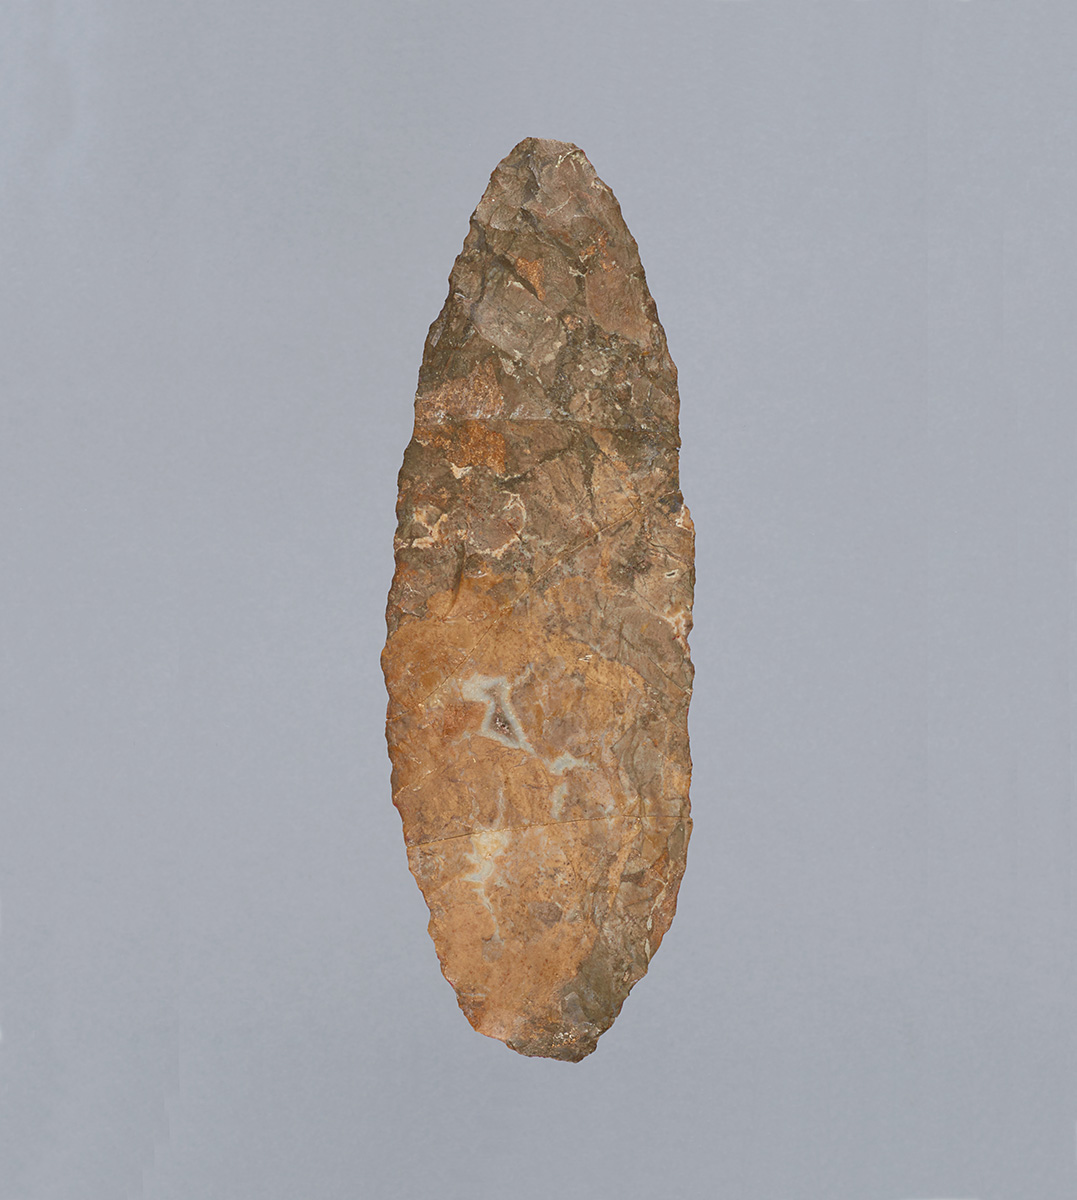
[(537, 662)]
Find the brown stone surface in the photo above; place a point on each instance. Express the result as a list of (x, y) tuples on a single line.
[(537, 661)]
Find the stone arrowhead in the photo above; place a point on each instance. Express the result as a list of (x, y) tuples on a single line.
[(537, 662)]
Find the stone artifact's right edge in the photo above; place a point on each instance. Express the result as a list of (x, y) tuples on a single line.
[(537, 661)]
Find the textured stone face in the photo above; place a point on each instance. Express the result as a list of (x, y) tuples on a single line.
[(537, 661)]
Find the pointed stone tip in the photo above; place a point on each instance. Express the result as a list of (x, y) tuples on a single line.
[(547, 171), (541, 149)]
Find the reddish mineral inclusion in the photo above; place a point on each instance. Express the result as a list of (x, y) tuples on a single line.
[(537, 662)]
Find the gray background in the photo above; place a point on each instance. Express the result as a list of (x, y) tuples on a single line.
[(226, 228)]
